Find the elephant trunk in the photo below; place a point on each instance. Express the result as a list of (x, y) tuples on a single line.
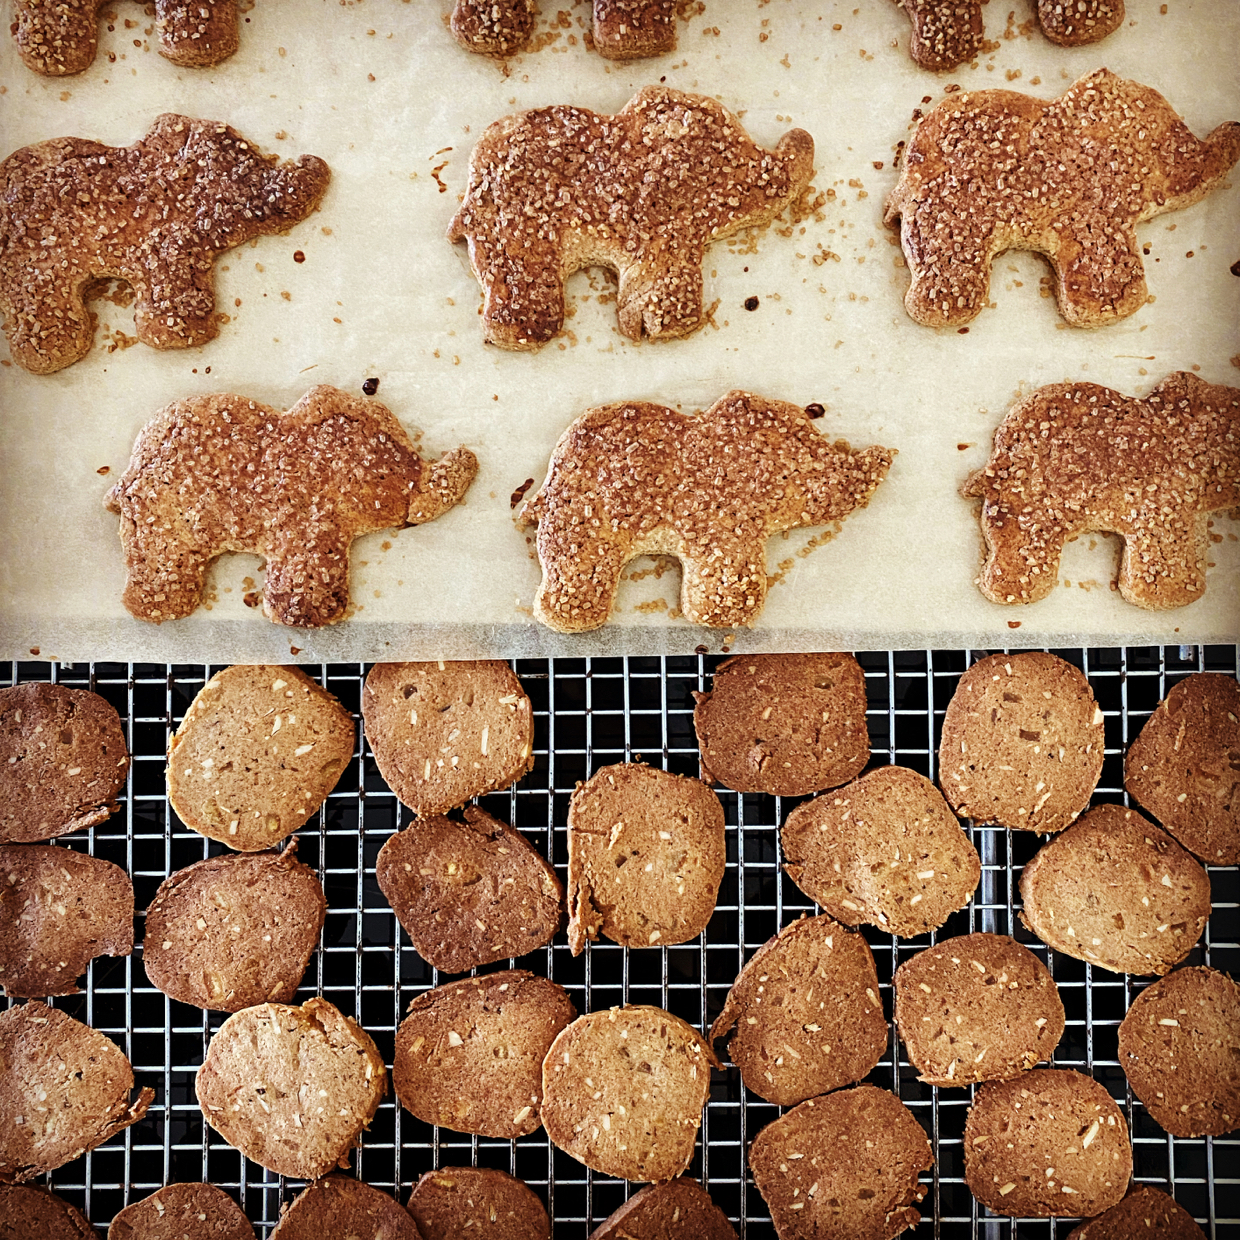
[(442, 485)]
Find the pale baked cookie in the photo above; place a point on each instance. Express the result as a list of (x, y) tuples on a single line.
[(493, 27), (340, 1208), (30, 1213), (455, 1202), (183, 1212), (681, 1209), (1144, 1212)]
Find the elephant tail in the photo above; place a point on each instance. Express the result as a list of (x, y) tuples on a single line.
[(975, 485), (442, 485)]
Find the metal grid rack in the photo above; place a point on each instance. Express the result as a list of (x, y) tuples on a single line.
[(591, 712)]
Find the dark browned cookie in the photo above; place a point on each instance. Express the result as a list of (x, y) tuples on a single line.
[(885, 849), (469, 893), (1144, 1212), (457, 1202), (1184, 767), (646, 856), (493, 27), (1179, 1046), (30, 1213), (63, 761), (786, 724), (340, 1208), (842, 1167), (230, 931), (981, 1007), (64, 1089), (681, 1209), (183, 1212), (443, 733), (291, 1087), (1022, 742), (1116, 891), (59, 909), (806, 1013), (1047, 1144), (469, 1054), (623, 1091)]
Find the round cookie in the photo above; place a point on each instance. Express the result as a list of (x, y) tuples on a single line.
[(1184, 767), (1144, 1212), (64, 1089), (1022, 742), (183, 1212), (232, 931), (1179, 1046), (842, 1167), (59, 909), (469, 893), (443, 733), (257, 753), (981, 1007), (469, 1055), (456, 1202), (623, 1091), (30, 1213), (646, 856), (681, 1209), (787, 724), (1116, 891), (885, 849), (1047, 1144), (291, 1087), (805, 1013), (339, 1206), (63, 761)]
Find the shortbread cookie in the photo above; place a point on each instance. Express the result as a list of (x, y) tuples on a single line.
[(183, 1212), (59, 909), (342, 1207), (64, 1089), (155, 214), (1116, 891), (981, 1007), (681, 1209), (63, 761), (1047, 1144), (1178, 1046), (229, 932), (215, 474), (493, 27), (804, 1013), (646, 479), (786, 724), (884, 849), (842, 1167), (469, 1054), (646, 855), (623, 1091), (992, 170), (30, 1213), (1073, 458), (291, 1087), (469, 893), (642, 192), (1022, 744), (634, 29), (1144, 1212), (1184, 767), (455, 1202)]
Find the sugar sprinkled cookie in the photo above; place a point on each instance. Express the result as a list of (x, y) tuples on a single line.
[(339, 1206), (30, 1213), (681, 1209), (183, 1212), (493, 27), (1144, 1212), (461, 1201)]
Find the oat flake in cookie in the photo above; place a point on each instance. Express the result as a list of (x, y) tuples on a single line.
[(340, 1208), (457, 1202), (1145, 1212), (183, 1212), (30, 1213), (681, 1209)]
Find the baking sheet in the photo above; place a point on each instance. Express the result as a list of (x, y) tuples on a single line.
[(379, 89)]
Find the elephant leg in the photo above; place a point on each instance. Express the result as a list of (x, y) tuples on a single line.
[(950, 267), (175, 290), (945, 32), (49, 330), (57, 39), (1022, 560), (164, 578), (197, 32), (661, 295), (493, 28), (1101, 278), (1163, 564), (522, 291), (307, 584), (633, 29), (724, 584), (581, 574), (1072, 23)]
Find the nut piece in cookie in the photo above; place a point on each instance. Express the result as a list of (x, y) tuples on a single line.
[(1116, 891), (338, 1206), (64, 1089), (981, 1007), (183, 1212), (1178, 1046), (30, 1213), (1072, 458), (708, 488), (1184, 767), (1048, 1144), (842, 1167), (646, 856), (1144, 1212), (291, 1087), (63, 761), (493, 27), (992, 170), (884, 849), (454, 1202), (681, 1208), (469, 1054), (643, 193), (804, 1013)]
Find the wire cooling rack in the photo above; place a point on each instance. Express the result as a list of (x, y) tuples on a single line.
[(588, 713)]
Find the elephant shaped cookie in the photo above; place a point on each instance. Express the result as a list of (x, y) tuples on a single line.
[(634, 479), (1072, 458), (642, 192), (992, 170), (74, 212), (623, 29), (222, 473)]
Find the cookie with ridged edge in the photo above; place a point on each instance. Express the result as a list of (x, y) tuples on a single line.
[(30, 1213), (1144, 1212), (981, 1007), (460, 1201), (1048, 1144), (681, 1209), (1179, 1046), (339, 1206), (183, 1212), (804, 1013), (787, 724), (1116, 891), (885, 849)]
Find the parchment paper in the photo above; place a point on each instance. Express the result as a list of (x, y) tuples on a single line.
[(379, 89)]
